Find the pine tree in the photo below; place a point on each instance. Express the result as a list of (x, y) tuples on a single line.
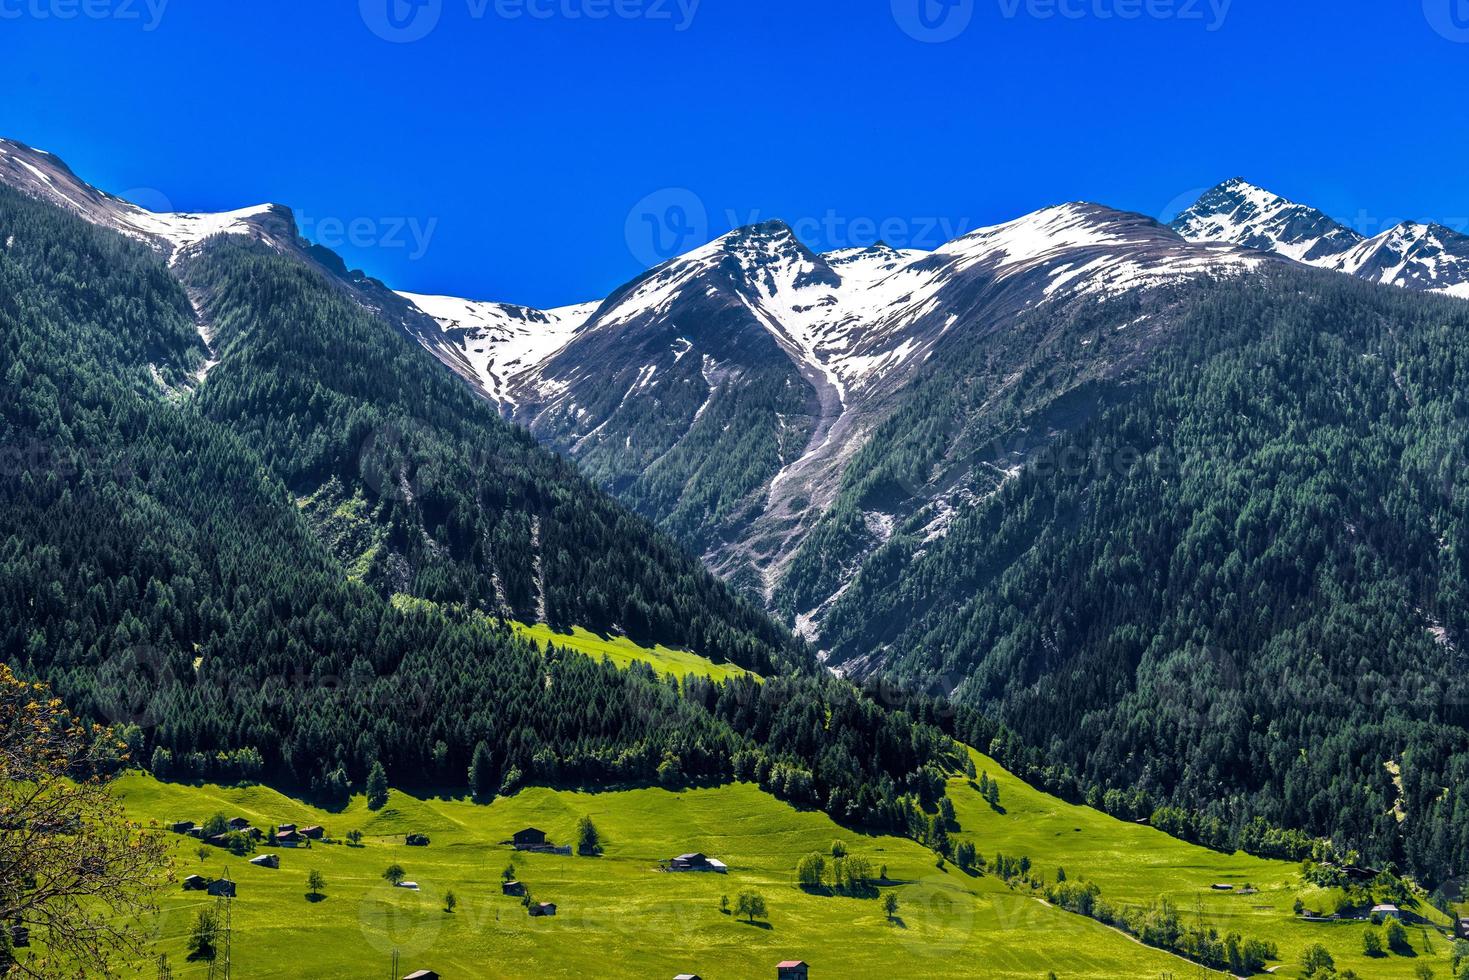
[(377, 787), (481, 772)]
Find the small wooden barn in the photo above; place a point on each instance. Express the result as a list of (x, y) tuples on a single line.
[(528, 838)]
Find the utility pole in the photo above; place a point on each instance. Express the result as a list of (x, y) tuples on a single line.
[(393, 970), (219, 967), (228, 906)]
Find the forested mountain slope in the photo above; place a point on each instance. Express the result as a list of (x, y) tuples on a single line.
[(726, 393), (1240, 585), (1186, 517), (419, 485), (1188, 520), (220, 567), (679, 396)]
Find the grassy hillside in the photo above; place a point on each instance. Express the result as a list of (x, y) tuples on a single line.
[(1134, 864), (620, 917), (624, 652)]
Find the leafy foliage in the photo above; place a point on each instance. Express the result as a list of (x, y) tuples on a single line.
[(73, 868)]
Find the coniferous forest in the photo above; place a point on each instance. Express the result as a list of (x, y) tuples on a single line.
[(301, 568), (291, 552), (1240, 582)]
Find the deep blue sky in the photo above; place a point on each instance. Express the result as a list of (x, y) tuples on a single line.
[(521, 147)]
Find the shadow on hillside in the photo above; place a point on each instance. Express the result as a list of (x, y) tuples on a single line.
[(757, 925), (897, 920), (315, 899), (294, 791), (452, 794), (852, 891), (998, 808)]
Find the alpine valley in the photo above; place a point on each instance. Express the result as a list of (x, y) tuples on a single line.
[(1169, 521), (1183, 505)]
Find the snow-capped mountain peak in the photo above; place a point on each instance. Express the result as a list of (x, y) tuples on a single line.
[(1242, 213), (1039, 234), (1414, 255), (45, 176), (1089, 248), (867, 265)]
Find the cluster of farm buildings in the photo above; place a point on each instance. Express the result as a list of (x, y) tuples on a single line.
[(286, 835), (530, 840)]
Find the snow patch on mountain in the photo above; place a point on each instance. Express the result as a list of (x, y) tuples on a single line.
[(864, 266), (1034, 236), (48, 178), (812, 305), (182, 230), (501, 341)]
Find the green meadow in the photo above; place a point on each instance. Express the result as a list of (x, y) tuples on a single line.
[(1135, 865), (624, 652), (620, 916)]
